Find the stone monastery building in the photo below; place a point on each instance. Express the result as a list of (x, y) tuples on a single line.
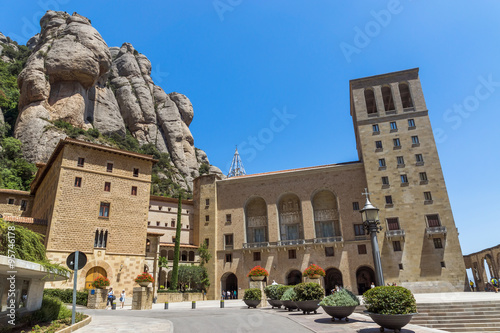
[(96, 199)]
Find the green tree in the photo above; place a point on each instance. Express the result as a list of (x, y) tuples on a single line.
[(162, 263), (175, 270), (15, 172), (205, 254)]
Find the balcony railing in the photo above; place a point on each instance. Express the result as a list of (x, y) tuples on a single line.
[(255, 245), (328, 239), (398, 233), (361, 237), (292, 242), (431, 231)]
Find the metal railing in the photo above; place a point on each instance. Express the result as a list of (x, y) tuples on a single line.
[(293, 242), (333, 239)]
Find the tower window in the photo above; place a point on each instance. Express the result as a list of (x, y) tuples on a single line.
[(371, 107), (81, 162), (207, 202), (385, 180), (136, 172), (414, 140), (375, 128), (381, 162), (411, 123), (387, 97), (362, 249), (396, 142), (433, 221), (393, 223), (396, 245), (78, 181), (104, 209), (400, 160), (419, 158), (394, 126), (359, 230), (229, 257), (427, 196), (423, 176), (256, 256), (109, 167), (107, 186), (438, 244), (134, 190), (388, 199), (355, 205), (404, 179), (207, 218), (378, 144), (292, 254), (404, 91), (329, 252)]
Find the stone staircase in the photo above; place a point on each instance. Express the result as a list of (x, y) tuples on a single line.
[(481, 316)]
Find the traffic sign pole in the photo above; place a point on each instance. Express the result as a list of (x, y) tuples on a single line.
[(77, 254)]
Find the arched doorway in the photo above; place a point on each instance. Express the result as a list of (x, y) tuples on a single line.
[(333, 278), (229, 282), (93, 274), (294, 277), (364, 278)]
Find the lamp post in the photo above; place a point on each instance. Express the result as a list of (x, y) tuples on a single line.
[(371, 224)]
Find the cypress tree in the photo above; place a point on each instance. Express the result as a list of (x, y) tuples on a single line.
[(175, 270)]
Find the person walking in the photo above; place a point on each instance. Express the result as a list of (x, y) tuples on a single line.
[(471, 285), (235, 295), (110, 298), (122, 298), (372, 285), (223, 294)]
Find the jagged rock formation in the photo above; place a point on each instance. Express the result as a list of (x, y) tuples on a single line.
[(73, 76)]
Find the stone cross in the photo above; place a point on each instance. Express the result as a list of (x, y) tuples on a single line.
[(366, 193)]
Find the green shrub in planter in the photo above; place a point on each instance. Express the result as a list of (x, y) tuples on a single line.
[(66, 295), (281, 290), (272, 291), (252, 294), (289, 295), (308, 292), (390, 300), (340, 298)]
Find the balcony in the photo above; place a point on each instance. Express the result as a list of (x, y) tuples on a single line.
[(395, 234), (431, 231), (361, 237), (256, 245), (328, 239), (293, 242)]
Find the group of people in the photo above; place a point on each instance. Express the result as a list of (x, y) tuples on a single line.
[(111, 297), (336, 289), (491, 285), (229, 294)]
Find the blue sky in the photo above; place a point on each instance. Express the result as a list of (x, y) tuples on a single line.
[(243, 62)]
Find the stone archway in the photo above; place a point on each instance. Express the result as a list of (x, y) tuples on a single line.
[(364, 278), (229, 282), (92, 274), (332, 278), (294, 277)]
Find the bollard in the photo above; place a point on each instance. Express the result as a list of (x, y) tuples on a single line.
[(166, 305), (113, 305), (193, 306), (222, 304)]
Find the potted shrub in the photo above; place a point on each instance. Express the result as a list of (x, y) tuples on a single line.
[(390, 306), (287, 299), (252, 297), (257, 273), (273, 296), (340, 304), (144, 279), (308, 296), (314, 272), (100, 282)]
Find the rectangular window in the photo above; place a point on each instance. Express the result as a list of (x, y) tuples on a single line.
[(149, 222), (157, 223), (396, 245), (396, 142), (393, 223), (362, 249), (359, 230), (207, 218), (109, 167), (10, 201), (381, 162), (173, 239), (411, 123), (423, 176), (104, 209), (433, 221), (81, 162), (388, 199), (136, 172), (438, 244), (401, 160), (378, 144), (24, 205), (375, 128), (385, 180), (355, 205), (228, 240), (329, 252), (228, 218), (443, 265), (419, 158), (256, 256), (394, 127), (78, 181), (292, 254), (207, 241), (229, 257), (427, 196), (401, 266), (134, 190), (107, 187), (207, 202), (414, 140), (404, 179)]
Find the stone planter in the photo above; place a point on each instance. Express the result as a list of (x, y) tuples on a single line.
[(144, 284), (308, 306), (290, 305), (257, 277), (251, 303), (339, 311), (315, 276), (274, 303), (393, 322)]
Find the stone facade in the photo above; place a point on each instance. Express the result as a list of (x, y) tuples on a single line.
[(15, 203)]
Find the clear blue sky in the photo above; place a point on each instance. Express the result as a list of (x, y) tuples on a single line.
[(241, 61)]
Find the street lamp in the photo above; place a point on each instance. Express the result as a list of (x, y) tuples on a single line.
[(371, 223)]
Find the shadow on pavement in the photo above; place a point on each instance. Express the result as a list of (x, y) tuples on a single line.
[(373, 330)]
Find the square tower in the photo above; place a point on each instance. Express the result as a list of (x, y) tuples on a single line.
[(419, 243)]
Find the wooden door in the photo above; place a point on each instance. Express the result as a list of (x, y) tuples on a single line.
[(93, 274)]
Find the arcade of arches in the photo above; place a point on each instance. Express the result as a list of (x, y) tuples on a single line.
[(484, 264)]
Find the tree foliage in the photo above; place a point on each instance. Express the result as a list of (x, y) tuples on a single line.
[(193, 277), (175, 269), (204, 253), (15, 172)]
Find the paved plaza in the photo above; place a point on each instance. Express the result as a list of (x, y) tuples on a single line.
[(235, 317)]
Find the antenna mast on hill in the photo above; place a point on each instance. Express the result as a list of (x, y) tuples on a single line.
[(236, 168)]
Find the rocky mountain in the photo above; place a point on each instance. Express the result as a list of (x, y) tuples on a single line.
[(73, 80)]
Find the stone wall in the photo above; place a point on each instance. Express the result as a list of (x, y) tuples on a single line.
[(179, 297), (97, 299)]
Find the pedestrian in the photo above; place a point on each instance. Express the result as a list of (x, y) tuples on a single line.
[(228, 294), (471, 285), (223, 294), (235, 296), (122, 298), (110, 298), (372, 285)]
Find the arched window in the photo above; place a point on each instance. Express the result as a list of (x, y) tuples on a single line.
[(96, 238), (387, 98), (404, 91), (191, 255), (184, 256), (256, 220), (326, 214), (290, 215), (371, 106), (105, 240), (101, 238)]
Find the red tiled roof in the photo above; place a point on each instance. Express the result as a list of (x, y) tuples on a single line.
[(24, 219)]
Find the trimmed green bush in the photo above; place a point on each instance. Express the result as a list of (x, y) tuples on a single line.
[(342, 297), (390, 300), (289, 295), (271, 291), (66, 295), (281, 290), (52, 309), (252, 294), (308, 292)]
